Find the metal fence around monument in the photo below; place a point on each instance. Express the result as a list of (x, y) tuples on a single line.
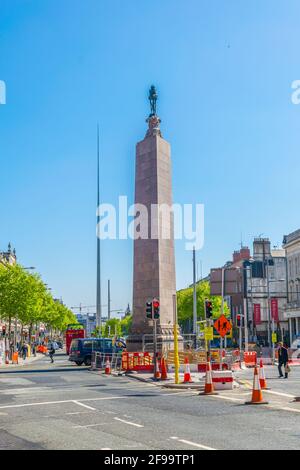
[(187, 342)]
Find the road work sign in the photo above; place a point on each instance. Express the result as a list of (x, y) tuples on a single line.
[(222, 325)]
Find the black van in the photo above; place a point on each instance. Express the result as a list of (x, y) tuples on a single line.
[(81, 349)]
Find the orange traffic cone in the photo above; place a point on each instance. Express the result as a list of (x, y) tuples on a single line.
[(257, 398), (262, 377), (107, 367), (187, 371), (164, 369), (157, 375), (209, 386)]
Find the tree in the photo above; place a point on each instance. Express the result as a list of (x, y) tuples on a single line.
[(25, 298), (126, 323), (185, 304)]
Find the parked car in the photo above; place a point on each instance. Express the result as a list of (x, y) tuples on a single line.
[(81, 349)]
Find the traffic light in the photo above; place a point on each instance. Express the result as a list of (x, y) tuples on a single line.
[(238, 320), (208, 309), (3, 330), (155, 309), (149, 309)]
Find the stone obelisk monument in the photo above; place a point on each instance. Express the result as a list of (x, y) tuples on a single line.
[(154, 258)]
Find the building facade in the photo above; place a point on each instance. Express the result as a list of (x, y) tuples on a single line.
[(9, 256), (291, 244), (255, 287), (266, 292)]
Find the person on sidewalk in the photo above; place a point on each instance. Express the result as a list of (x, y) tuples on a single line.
[(51, 352), (24, 351), (283, 359)]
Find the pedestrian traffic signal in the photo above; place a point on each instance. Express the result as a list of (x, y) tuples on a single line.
[(3, 330), (238, 320), (149, 309), (155, 309), (208, 309)]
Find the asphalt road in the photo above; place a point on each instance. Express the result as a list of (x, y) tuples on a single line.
[(62, 406)]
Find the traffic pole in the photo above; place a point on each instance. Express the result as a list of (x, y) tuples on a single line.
[(176, 357), (154, 345)]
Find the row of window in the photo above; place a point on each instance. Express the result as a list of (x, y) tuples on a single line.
[(294, 266)]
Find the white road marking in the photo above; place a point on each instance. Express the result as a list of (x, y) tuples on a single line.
[(85, 406), (186, 392), (88, 425), (279, 393), (272, 406), (224, 397), (59, 402), (284, 408), (190, 443), (77, 413), (129, 422)]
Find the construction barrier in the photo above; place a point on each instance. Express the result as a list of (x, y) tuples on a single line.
[(214, 366), (137, 361), (222, 380), (15, 358), (100, 360), (250, 358)]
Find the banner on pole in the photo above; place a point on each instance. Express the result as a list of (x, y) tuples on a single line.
[(274, 310), (257, 314)]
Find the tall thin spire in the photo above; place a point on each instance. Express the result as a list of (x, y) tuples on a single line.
[(98, 300)]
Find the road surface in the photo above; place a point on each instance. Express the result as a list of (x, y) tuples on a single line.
[(62, 406)]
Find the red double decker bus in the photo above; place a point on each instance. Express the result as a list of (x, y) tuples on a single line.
[(73, 331)]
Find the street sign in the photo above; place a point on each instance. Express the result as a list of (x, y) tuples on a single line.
[(222, 325), (274, 337), (209, 333)]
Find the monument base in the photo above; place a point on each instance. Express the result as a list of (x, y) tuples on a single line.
[(137, 342)]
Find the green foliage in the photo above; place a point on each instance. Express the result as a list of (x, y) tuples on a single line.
[(114, 327), (185, 303), (126, 323), (24, 296)]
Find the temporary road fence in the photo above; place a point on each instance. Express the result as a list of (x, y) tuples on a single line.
[(250, 358), (137, 361), (99, 360)]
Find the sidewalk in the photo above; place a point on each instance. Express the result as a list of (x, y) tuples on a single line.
[(22, 363), (198, 380)]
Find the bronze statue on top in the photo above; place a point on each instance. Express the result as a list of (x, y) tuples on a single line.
[(153, 99)]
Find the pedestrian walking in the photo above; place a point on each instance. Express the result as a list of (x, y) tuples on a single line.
[(24, 351), (283, 359), (51, 352), (33, 348)]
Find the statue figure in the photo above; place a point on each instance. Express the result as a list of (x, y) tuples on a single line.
[(152, 99)]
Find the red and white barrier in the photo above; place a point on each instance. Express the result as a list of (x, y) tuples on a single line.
[(222, 380)]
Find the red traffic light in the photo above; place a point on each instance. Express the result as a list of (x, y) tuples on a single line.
[(155, 303)]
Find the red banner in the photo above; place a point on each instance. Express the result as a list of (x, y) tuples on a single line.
[(257, 314), (274, 309)]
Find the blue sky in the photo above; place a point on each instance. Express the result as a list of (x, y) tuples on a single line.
[(223, 70)]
